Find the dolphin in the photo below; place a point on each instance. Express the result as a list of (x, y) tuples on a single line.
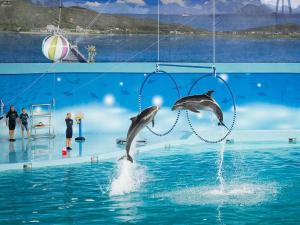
[(196, 103), (137, 124)]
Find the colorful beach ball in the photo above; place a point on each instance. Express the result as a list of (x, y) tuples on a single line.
[(55, 47)]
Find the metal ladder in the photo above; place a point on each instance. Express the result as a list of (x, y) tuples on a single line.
[(41, 124)]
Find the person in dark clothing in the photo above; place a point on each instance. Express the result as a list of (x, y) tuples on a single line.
[(11, 121), (24, 122), (69, 131)]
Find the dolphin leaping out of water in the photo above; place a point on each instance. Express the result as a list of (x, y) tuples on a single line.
[(137, 124), (196, 103)]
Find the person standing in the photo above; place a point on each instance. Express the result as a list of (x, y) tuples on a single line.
[(69, 131), (11, 121), (24, 122)]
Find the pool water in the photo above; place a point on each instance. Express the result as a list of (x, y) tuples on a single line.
[(178, 185)]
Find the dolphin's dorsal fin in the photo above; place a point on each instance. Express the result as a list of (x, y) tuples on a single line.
[(133, 118), (209, 93)]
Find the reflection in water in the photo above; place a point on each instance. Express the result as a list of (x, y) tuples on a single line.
[(80, 148), (42, 149), (12, 153), (127, 208), (25, 150)]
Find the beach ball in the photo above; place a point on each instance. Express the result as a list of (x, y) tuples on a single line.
[(55, 47)]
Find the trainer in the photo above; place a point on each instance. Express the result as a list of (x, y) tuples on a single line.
[(11, 121)]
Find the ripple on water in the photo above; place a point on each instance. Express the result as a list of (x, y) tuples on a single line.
[(233, 194)]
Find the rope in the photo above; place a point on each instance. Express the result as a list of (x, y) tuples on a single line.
[(32, 84), (214, 32), (26, 89), (140, 101), (158, 31), (234, 111), (112, 69), (59, 15)]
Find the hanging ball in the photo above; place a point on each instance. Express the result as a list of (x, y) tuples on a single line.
[(55, 47)]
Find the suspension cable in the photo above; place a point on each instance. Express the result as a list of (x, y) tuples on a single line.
[(158, 34), (214, 32), (59, 15)]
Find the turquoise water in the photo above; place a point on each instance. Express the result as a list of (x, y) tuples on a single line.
[(179, 185)]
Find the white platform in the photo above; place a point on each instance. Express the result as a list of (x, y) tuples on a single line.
[(14, 155)]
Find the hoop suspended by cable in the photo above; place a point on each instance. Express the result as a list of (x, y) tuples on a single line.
[(208, 95), (229, 129), (174, 83)]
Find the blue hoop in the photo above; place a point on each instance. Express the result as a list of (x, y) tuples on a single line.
[(140, 99), (233, 103)]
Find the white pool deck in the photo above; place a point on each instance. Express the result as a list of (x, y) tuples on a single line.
[(98, 148)]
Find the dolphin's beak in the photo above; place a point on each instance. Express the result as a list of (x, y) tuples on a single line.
[(174, 107), (157, 108)]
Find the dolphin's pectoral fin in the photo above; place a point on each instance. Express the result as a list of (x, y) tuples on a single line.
[(153, 123), (193, 109)]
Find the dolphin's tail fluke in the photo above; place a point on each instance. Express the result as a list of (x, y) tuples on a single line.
[(222, 124), (128, 157)]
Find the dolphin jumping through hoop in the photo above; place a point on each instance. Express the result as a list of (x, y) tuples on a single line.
[(196, 103)]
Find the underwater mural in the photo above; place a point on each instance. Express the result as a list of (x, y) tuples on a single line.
[(255, 96)]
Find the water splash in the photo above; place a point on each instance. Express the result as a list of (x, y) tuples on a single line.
[(221, 180), (130, 176), (220, 177), (233, 194)]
